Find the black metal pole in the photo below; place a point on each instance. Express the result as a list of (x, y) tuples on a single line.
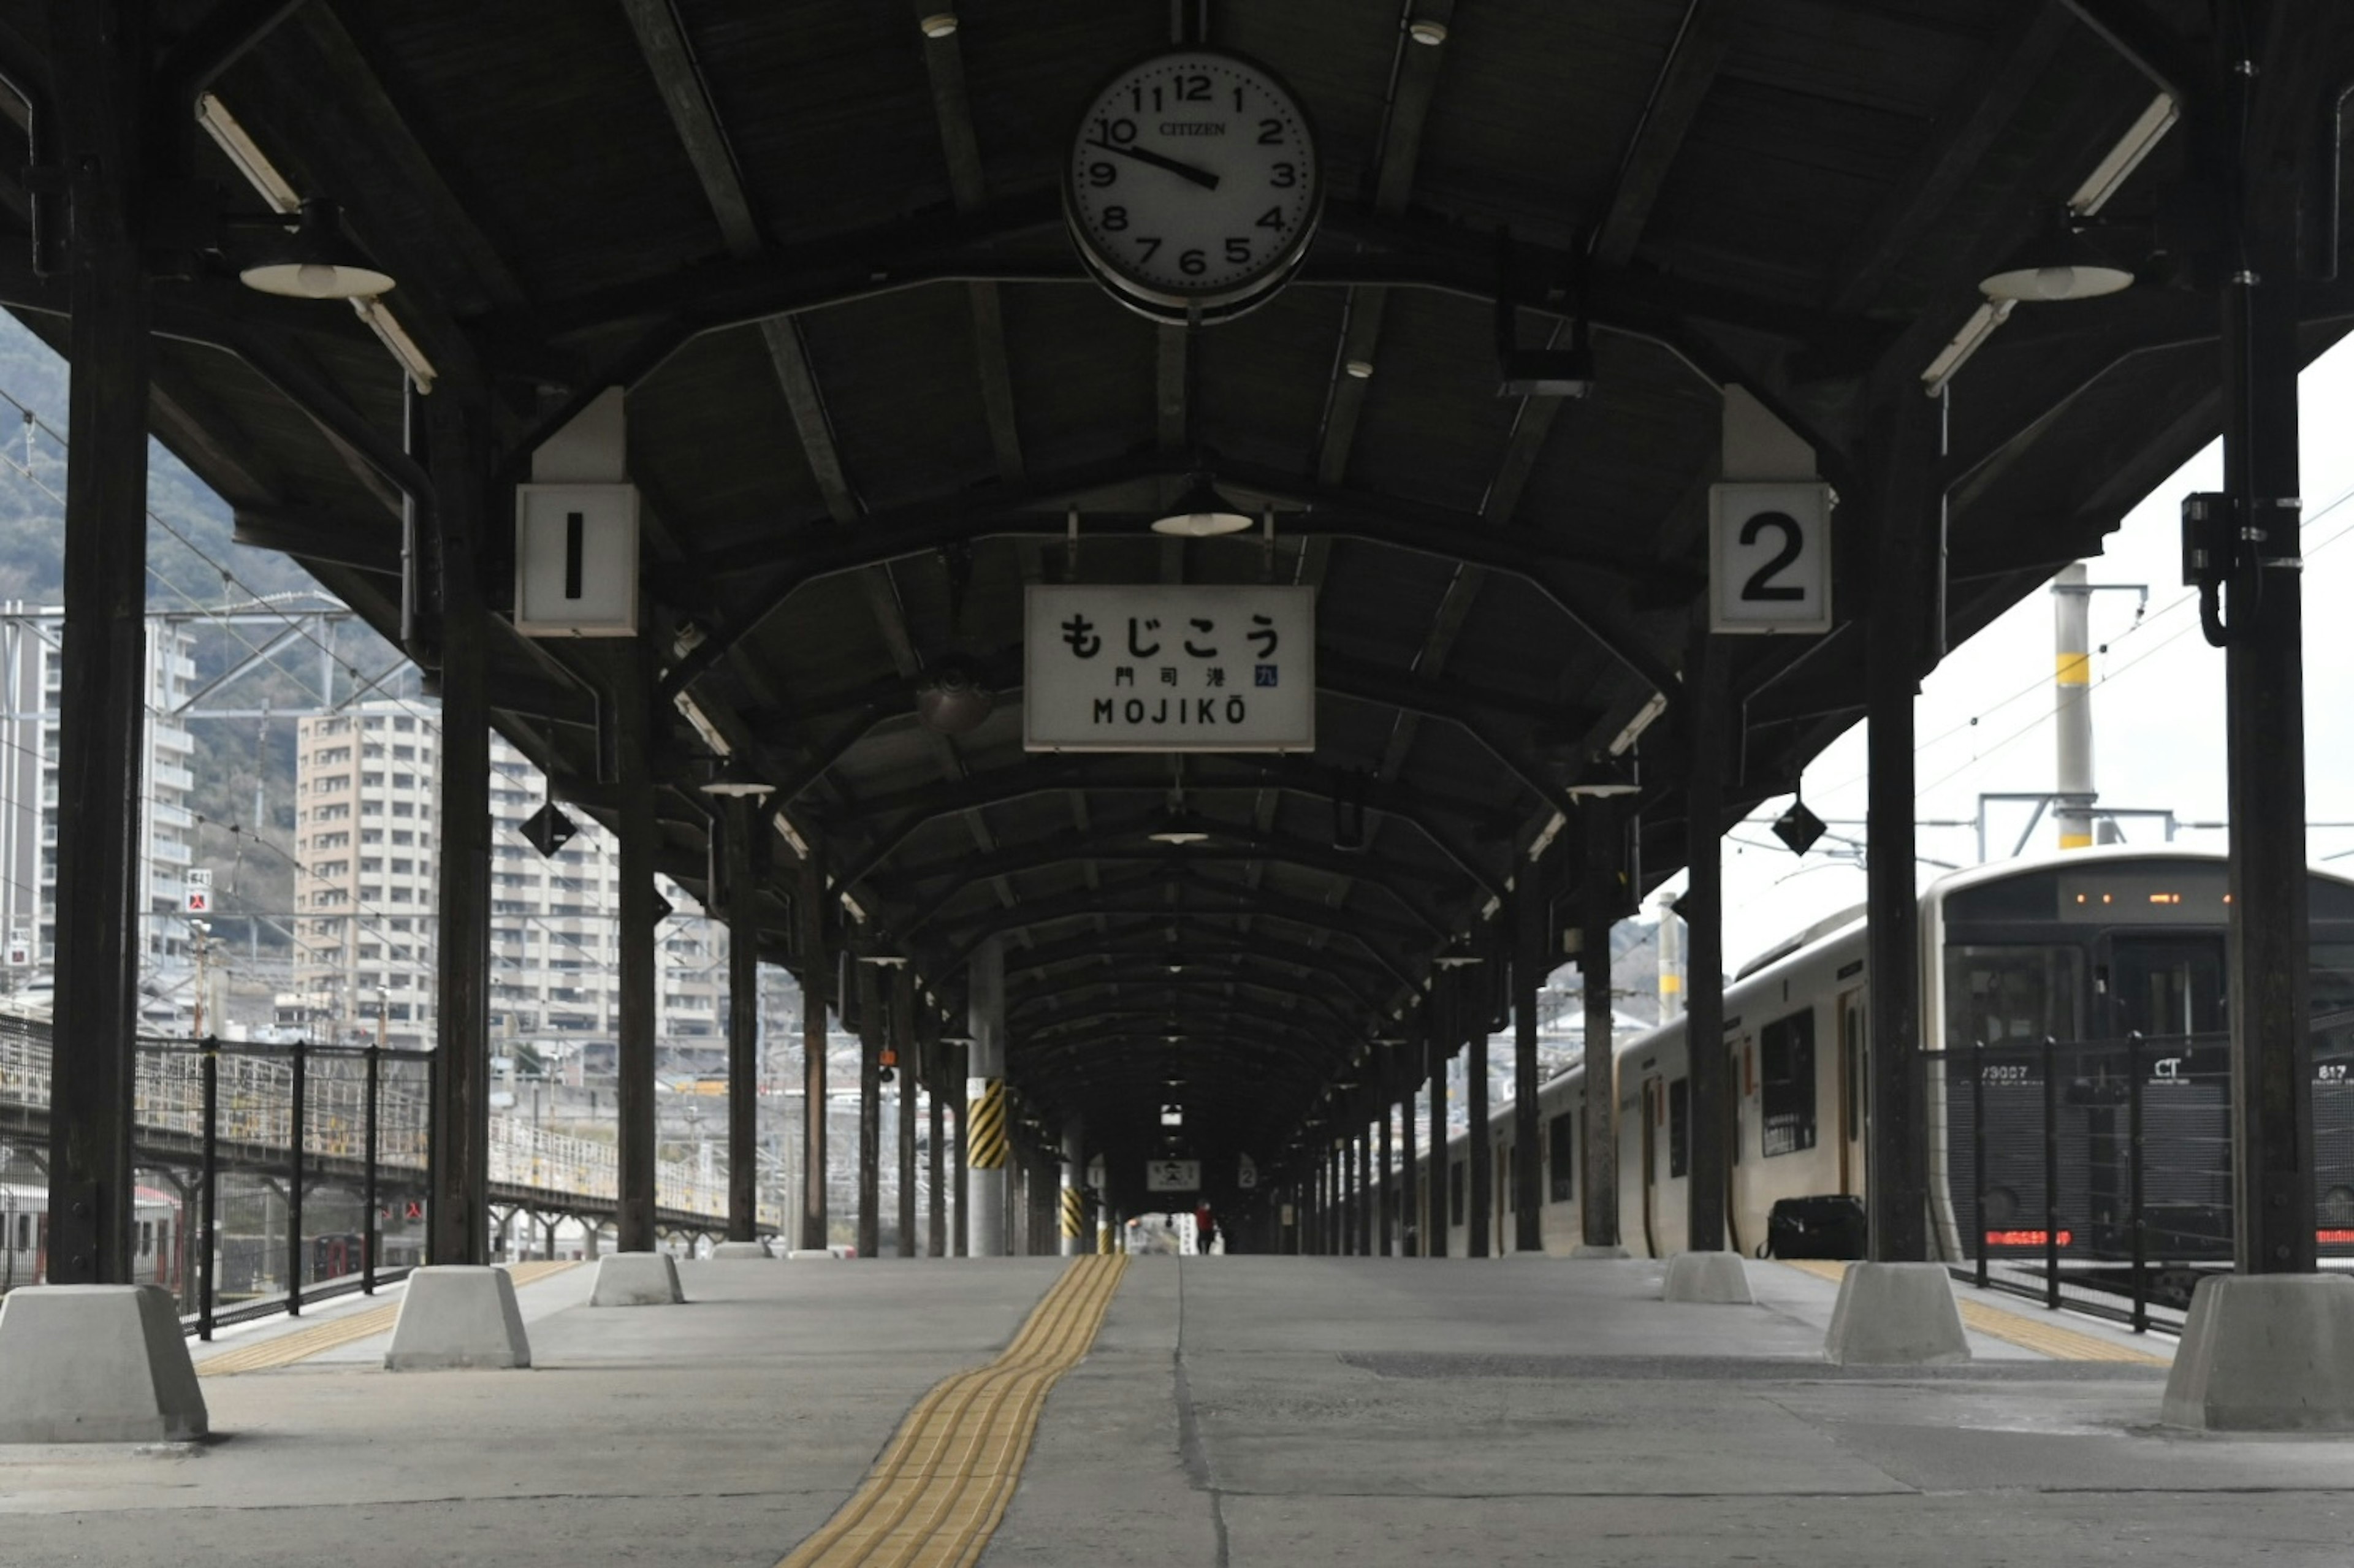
[(1598, 903), (1705, 723), (1442, 1046), (737, 826), (452, 426), (2134, 1188), (369, 1196), (2272, 1068), (902, 1038), (816, 981), (100, 56), (2050, 1173), (209, 1197), (638, 1130), (1978, 1156), (1902, 616), (1384, 1179), (1412, 1233), (297, 1119), (1478, 1235), (870, 1114), (935, 1236), (1532, 964)]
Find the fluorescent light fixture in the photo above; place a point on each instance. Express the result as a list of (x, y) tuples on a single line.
[(2138, 141), (1989, 315), (1638, 725)]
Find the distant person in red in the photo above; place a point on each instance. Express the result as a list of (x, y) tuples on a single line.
[(1206, 1229)]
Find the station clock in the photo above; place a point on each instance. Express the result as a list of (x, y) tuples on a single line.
[(1192, 188)]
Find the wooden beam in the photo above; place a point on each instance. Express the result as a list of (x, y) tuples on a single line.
[(1685, 77), (662, 41)]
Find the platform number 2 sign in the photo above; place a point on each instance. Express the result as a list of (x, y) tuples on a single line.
[(1770, 557)]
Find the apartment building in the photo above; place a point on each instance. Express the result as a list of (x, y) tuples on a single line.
[(30, 674), (365, 802)]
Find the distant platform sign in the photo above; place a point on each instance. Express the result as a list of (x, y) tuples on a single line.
[(1164, 667), (1770, 557), (1172, 1176)]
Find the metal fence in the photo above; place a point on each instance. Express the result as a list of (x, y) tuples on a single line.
[(271, 1173), (2097, 1174)]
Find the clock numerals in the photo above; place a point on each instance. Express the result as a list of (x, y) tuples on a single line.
[(1271, 219), (1118, 133), (1239, 249), (1150, 243), (1270, 132), (1102, 174), (1283, 177), (1114, 219), (1193, 263), (1192, 89)]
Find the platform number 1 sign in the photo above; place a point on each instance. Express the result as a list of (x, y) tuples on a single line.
[(1770, 557)]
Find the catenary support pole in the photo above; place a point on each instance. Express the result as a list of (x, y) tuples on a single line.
[(103, 59), (1532, 964), (736, 825), (635, 984), (2072, 705), (1707, 720)]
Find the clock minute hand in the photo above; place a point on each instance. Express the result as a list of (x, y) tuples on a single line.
[(1199, 176)]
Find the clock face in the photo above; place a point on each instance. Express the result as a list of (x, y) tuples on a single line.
[(1193, 181)]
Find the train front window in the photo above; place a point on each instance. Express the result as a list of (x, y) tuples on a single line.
[(2171, 985), (2013, 995)]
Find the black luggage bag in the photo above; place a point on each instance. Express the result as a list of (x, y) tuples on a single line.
[(1829, 1225)]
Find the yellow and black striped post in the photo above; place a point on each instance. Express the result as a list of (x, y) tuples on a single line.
[(1074, 1215), (985, 1128)]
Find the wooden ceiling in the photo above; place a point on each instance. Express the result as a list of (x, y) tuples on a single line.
[(868, 381)]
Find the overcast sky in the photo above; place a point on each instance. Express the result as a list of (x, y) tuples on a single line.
[(1984, 718)]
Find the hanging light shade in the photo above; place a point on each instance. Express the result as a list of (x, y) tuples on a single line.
[(1201, 513), (315, 261), (1456, 955), (734, 781), (950, 699), (2058, 264), (1179, 828)]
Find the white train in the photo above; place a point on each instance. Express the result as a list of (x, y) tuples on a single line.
[(156, 1243), (2089, 949)]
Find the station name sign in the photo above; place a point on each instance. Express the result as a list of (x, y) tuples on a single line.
[(1169, 667)]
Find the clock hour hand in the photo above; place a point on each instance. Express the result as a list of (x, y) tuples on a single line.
[(1199, 176)]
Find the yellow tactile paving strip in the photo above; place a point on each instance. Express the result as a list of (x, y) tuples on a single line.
[(935, 1496), (287, 1349), (2044, 1339)]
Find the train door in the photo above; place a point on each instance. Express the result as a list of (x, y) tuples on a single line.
[(2163, 987), (1852, 1087)]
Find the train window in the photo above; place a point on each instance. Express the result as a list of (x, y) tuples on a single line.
[(1561, 1152), (2013, 995), (1679, 1125), (1785, 1053), (2168, 986), (1455, 1185), (146, 1237)]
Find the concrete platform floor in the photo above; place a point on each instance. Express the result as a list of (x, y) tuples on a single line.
[(1239, 1411)]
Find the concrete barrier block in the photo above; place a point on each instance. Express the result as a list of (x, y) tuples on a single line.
[(2265, 1352), (1608, 1254), (96, 1363), (811, 1255), (1896, 1314), (636, 1279), (1714, 1278), (741, 1249), (457, 1316)]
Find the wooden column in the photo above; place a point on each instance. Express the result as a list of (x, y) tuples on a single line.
[(1531, 963), (636, 982), (817, 982), (737, 823), (871, 1026), (1706, 721), (1598, 902), (902, 1044), (102, 59)]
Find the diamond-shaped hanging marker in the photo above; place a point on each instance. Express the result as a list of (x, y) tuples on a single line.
[(1798, 828), (548, 830)]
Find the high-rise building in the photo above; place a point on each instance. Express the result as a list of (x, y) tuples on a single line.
[(366, 803), (31, 676)]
